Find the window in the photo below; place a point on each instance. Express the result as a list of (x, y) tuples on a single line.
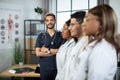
[(67, 7), (63, 5)]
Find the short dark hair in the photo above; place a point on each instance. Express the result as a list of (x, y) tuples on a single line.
[(50, 14), (79, 16), (68, 22)]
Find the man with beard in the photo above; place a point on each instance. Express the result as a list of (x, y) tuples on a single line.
[(47, 45)]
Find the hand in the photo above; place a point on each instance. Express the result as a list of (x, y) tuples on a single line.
[(44, 49)]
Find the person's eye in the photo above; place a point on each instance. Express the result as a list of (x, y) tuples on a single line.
[(46, 20), (71, 24)]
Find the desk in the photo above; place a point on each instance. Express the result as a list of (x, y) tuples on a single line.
[(30, 74)]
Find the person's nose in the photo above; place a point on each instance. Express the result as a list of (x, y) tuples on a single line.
[(70, 27)]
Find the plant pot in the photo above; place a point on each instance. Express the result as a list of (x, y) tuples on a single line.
[(20, 63), (39, 16)]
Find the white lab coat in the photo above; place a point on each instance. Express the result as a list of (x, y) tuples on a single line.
[(63, 53), (97, 62), (71, 65)]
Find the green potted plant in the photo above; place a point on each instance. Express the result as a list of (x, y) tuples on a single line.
[(18, 54), (38, 10)]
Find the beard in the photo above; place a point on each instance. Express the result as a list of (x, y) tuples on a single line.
[(50, 27)]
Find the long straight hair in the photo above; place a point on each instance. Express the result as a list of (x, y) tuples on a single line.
[(108, 22)]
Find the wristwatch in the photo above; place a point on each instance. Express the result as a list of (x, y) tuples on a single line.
[(48, 51)]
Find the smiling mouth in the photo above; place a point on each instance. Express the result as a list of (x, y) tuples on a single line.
[(49, 24)]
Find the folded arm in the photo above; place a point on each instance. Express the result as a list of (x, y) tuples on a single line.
[(43, 51)]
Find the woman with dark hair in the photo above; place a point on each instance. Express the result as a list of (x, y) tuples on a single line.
[(64, 51), (101, 24)]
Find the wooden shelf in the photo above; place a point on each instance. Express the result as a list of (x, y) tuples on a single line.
[(32, 28)]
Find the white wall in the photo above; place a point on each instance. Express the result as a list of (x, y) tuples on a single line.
[(28, 6), (6, 55)]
